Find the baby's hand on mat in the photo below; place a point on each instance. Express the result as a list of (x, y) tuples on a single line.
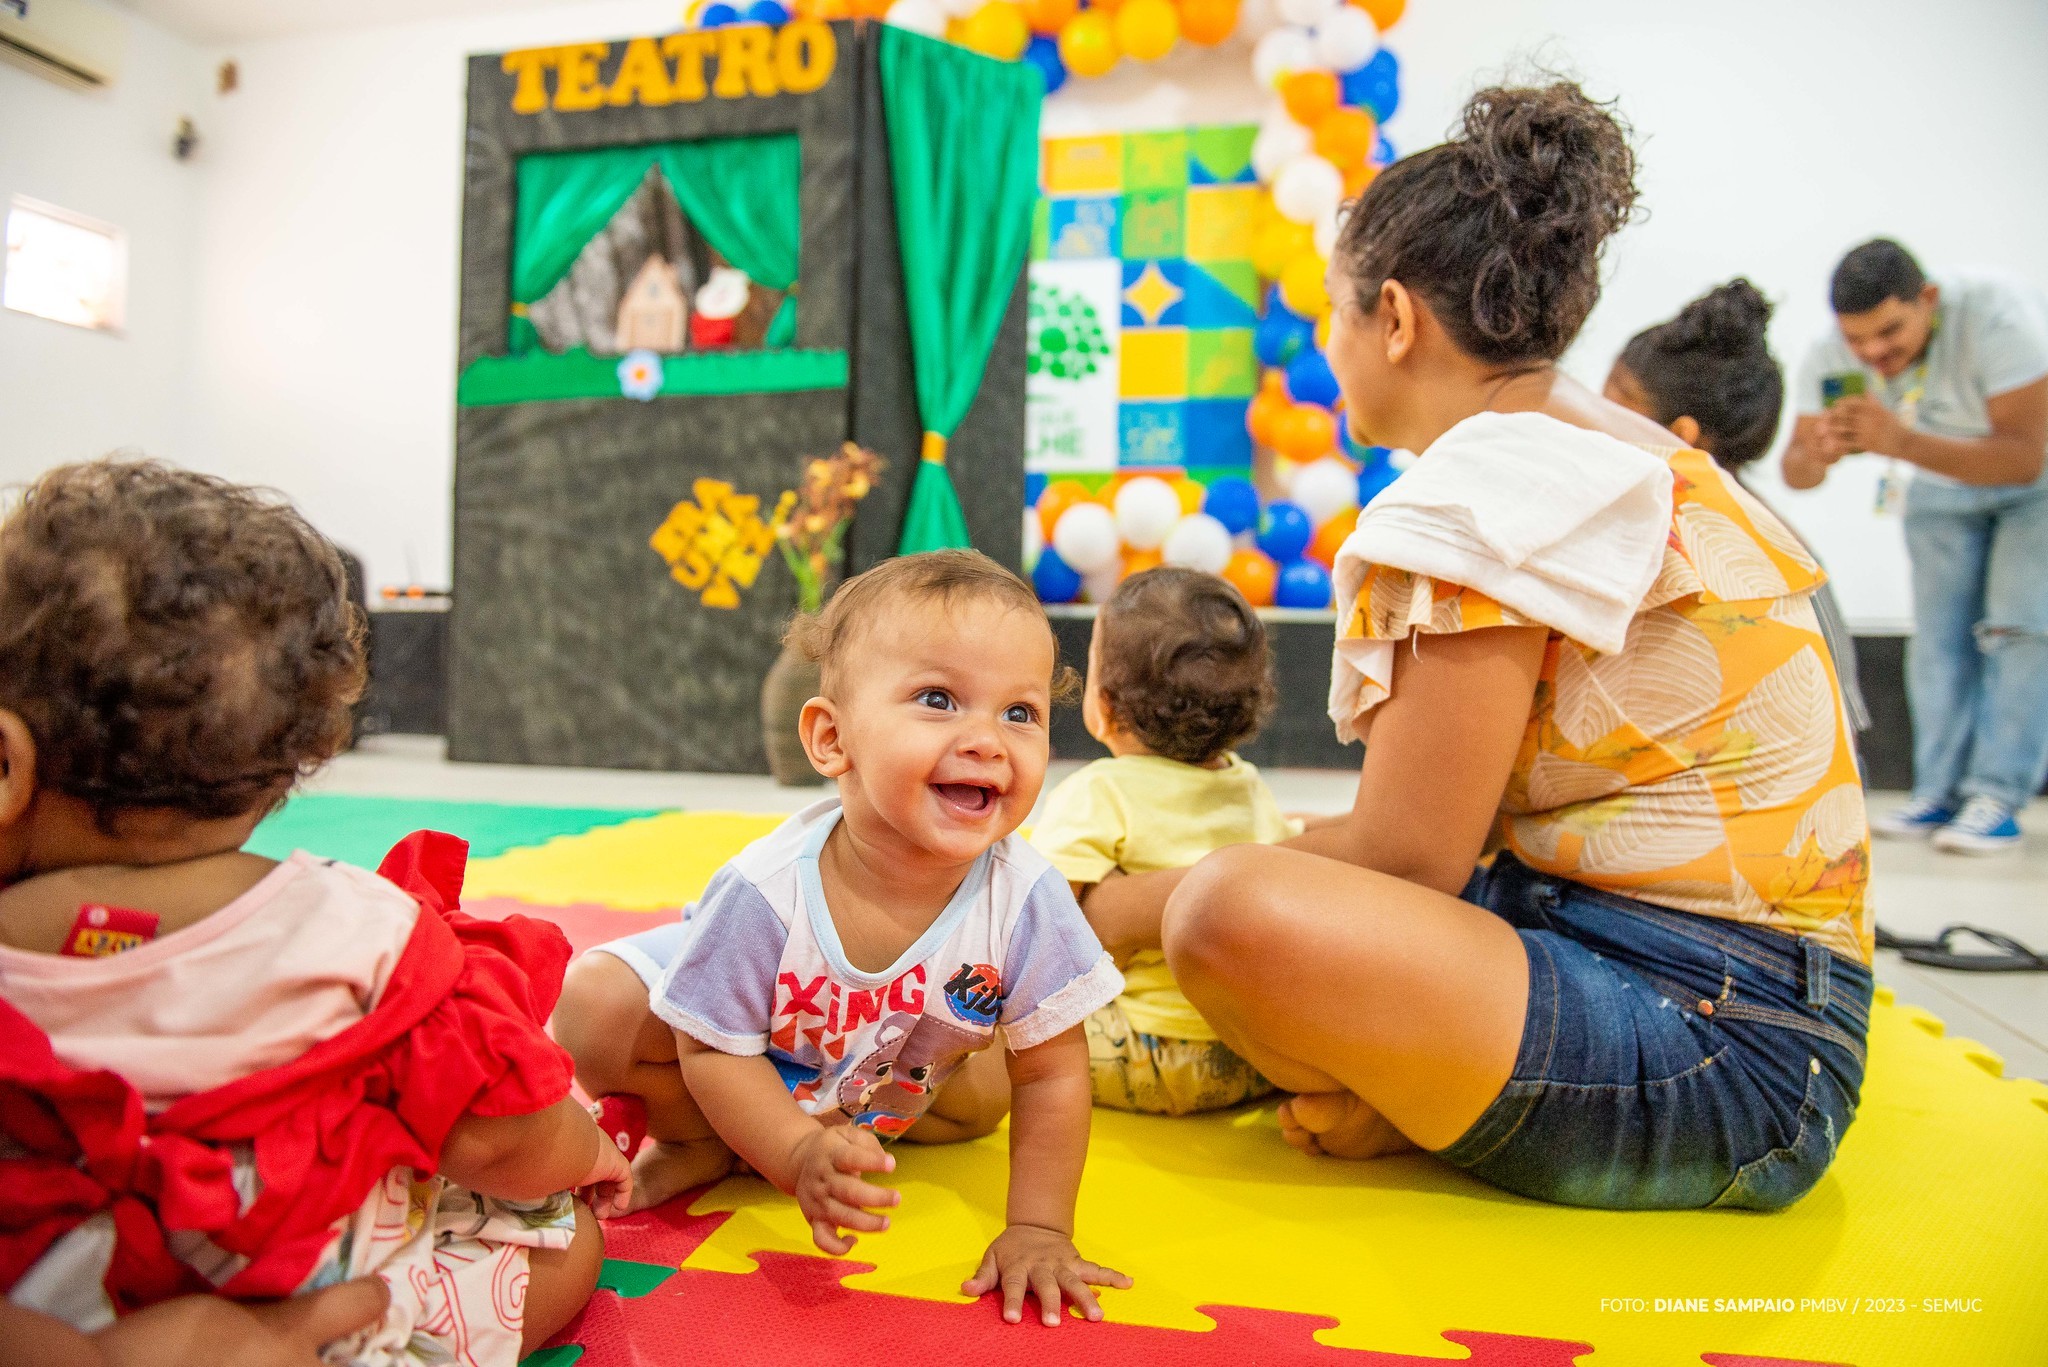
[(1045, 1263), (829, 1189)]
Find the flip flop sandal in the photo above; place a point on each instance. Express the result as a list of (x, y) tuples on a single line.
[(1887, 940), (2013, 957)]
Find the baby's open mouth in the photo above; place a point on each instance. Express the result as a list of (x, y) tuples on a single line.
[(971, 798)]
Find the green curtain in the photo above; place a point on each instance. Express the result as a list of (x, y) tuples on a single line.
[(963, 149), (742, 193)]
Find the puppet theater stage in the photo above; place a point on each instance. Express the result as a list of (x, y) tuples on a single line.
[(618, 602)]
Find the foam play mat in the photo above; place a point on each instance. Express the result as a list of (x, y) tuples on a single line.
[(1926, 1243)]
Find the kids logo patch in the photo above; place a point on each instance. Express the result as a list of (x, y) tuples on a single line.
[(975, 993)]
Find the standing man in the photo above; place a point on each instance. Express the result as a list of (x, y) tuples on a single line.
[(1950, 377)]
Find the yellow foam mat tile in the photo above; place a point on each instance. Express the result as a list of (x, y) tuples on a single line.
[(1927, 1242), (654, 863)]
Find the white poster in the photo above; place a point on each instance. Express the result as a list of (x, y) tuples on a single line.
[(1072, 391)]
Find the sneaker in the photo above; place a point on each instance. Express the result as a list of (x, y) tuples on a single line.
[(1984, 826), (1917, 820)]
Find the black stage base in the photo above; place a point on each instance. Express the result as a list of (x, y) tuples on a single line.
[(409, 691)]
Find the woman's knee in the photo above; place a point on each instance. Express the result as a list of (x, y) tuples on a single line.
[(600, 1019), (1221, 911)]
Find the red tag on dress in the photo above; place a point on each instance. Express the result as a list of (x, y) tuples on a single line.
[(100, 931)]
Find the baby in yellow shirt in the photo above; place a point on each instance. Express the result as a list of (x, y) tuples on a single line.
[(1178, 674)]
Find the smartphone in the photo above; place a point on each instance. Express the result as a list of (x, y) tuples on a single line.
[(1835, 388)]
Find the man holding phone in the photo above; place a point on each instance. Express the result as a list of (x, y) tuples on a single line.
[(1949, 379)]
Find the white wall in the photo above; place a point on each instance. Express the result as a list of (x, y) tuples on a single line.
[(323, 276), (67, 393)]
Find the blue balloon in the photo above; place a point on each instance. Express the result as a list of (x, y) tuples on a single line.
[(1383, 153), (1310, 380), (1054, 578), (717, 15), (1281, 336), (1384, 66), (1285, 532), (1303, 584), (1034, 485), (1044, 53), (1374, 479), (1234, 503), (767, 12)]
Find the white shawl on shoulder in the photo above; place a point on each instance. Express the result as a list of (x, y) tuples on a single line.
[(1563, 525)]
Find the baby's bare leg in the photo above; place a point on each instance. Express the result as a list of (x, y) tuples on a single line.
[(559, 1281), (971, 1104), (623, 1049)]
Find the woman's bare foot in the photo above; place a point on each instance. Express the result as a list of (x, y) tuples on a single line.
[(666, 1170), (1340, 1125)]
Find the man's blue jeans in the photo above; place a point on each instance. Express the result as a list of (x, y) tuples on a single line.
[(1977, 667)]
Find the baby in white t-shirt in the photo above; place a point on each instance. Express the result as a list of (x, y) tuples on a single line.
[(835, 985)]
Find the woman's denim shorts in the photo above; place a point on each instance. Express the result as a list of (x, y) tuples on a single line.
[(1669, 1061)]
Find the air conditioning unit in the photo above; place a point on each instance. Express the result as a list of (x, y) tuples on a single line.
[(78, 43)]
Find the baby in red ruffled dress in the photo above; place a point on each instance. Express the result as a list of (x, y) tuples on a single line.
[(220, 1072)]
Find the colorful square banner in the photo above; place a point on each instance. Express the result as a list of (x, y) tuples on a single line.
[(1166, 219)]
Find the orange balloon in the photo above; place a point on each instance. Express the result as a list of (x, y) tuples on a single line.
[(1060, 495), (1345, 138), (1356, 181), (1309, 96), (1192, 493), (1137, 562), (1330, 537), (1047, 16), (1385, 13), (1262, 416), (1253, 574), (1305, 432), (1208, 22)]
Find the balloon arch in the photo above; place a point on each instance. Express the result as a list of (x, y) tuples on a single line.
[(1320, 144)]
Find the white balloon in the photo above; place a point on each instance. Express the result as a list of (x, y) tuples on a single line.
[(1034, 539), (919, 16), (1097, 587), (1347, 39), (1326, 236), (1146, 509), (1279, 52), (960, 9), (1308, 12), (1277, 144), (1199, 542), (1307, 188), (1400, 458), (1324, 488), (1085, 536)]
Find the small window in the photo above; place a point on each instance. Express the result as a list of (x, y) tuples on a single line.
[(64, 266)]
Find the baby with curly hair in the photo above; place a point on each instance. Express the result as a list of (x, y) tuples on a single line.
[(1178, 676), (227, 1073)]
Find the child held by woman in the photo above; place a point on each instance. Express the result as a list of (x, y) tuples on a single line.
[(839, 981), (227, 1073)]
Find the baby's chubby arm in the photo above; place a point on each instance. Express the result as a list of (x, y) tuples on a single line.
[(1049, 1108), (527, 1157), (820, 1165)]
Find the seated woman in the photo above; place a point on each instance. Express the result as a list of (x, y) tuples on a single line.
[(1569, 640), (1709, 376)]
